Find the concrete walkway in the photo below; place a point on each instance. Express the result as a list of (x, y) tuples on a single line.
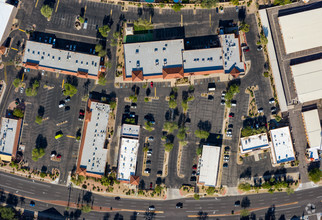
[(173, 194)]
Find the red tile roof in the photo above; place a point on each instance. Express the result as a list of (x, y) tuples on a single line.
[(135, 180), (137, 76), (173, 72), (235, 72)]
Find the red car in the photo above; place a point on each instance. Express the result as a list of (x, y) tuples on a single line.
[(151, 84), (231, 115), (194, 167)]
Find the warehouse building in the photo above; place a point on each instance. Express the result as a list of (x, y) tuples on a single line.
[(254, 142), (9, 138), (7, 14), (313, 133), (300, 31), (209, 165), (307, 79), (42, 56), (93, 153), (282, 145)]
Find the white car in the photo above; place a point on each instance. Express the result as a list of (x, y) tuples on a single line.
[(151, 208), (271, 101)]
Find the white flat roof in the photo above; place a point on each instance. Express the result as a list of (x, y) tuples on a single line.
[(127, 158), (209, 165), (47, 56), (94, 154), (7, 135), (254, 142), (307, 77), (130, 130), (312, 127), (152, 57), (5, 13), (231, 53), (203, 60), (302, 30), (282, 144)]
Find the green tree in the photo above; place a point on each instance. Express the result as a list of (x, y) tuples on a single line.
[(177, 7), (86, 208), (113, 43), (146, 99), (196, 196), (190, 98), (81, 19), (201, 134), (104, 30), (16, 82), (172, 103), (148, 126), (199, 151), (263, 39), (133, 98), (18, 113), (158, 189), (116, 35), (98, 47), (289, 191), (170, 126), (243, 26), (142, 25), (183, 143), (185, 106), (168, 147), (43, 174), (244, 187), (102, 53), (266, 185), (38, 119), (112, 105), (37, 153), (208, 3), (181, 133), (102, 80), (46, 11), (244, 213), (266, 74), (211, 190), (315, 175), (282, 2), (70, 90), (145, 148), (7, 213)]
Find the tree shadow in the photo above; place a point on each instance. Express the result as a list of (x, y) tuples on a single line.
[(246, 173), (44, 169), (41, 141), (204, 125), (87, 197), (12, 200), (73, 80), (148, 91), (245, 203), (106, 216), (202, 215), (270, 214), (142, 184), (118, 216), (134, 216), (41, 111)]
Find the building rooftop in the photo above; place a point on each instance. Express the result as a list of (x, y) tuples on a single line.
[(282, 145), (254, 142), (307, 77), (231, 53), (5, 14), (47, 56), (151, 57), (94, 155), (300, 30), (9, 136), (209, 165), (312, 127), (203, 60), (127, 158), (130, 130)]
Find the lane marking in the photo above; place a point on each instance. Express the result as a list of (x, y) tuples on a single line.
[(22, 30), (15, 189), (14, 48), (70, 136)]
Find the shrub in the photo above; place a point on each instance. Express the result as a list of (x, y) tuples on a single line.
[(244, 213), (182, 133), (185, 106), (102, 80), (43, 174), (133, 98), (244, 187), (168, 147), (289, 191), (243, 26), (315, 175), (81, 19), (86, 208), (37, 153), (282, 2), (263, 39), (148, 126), (235, 2), (170, 126), (102, 53), (70, 90), (104, 30), (201, 134), (7, 213), (196, 196), (98, 47), (38, 120), (46, 11), (16, 82), (211, 190), (112, 105), (17, 112), (172, 103), (199, 151), (183, 143), (266, 74), (142, 25), (177, 7), (146, 99), (208, 3), (158, 189)]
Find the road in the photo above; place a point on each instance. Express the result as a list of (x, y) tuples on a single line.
[(46, 196)]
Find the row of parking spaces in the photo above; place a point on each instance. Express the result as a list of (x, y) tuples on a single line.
[(155, 84), (206, 81)]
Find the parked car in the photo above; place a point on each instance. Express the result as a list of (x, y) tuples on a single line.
[(230, 126), (223, 94), (231, 115), (273, 109), (133, 105), (260, 110), (194, 173), (22, 89), (81, 114), (61, 104), (149, 153), (67, 108), (237, 203), (194, 167), (148, 162), (222, 102), (151, 185), (151, 138), (233, 103), (67, 99), (246, 49), (193, 179), (179, 205), (32, 203), (147, 170), (85, 24), (225, 165), (237, 9), (74, 48), (117, 198), (210, 97), (151, 208), (271, 101), (260, 48)]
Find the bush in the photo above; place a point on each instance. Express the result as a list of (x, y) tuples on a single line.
[(266, 74), (235, 2), (16, 83), (315, 175), (86, 208), (282, 2), (263, 39), (146, 99), (102, 80), (244, 213), (158, 189), (70, 90), (289, 191), (17, 112), (37, 153), (244, 187), (201, 134), (266, 185), (196, 196), (168, 147), (46, 11), (133, 98), (7, 213), (102, 53), (243, 26), (98, 47), (104, 30), (148, 126), (182, 133), (113, 43), (43, 174), (112, 105), (130, 120), (199, 151), (208, 3), (177, 7), (172, 103), (81, 19), (38, 120), (142, 25), (211, 190), (170, 126)]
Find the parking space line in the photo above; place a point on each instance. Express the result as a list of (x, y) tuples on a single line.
[(14, 48), (57, 6)]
